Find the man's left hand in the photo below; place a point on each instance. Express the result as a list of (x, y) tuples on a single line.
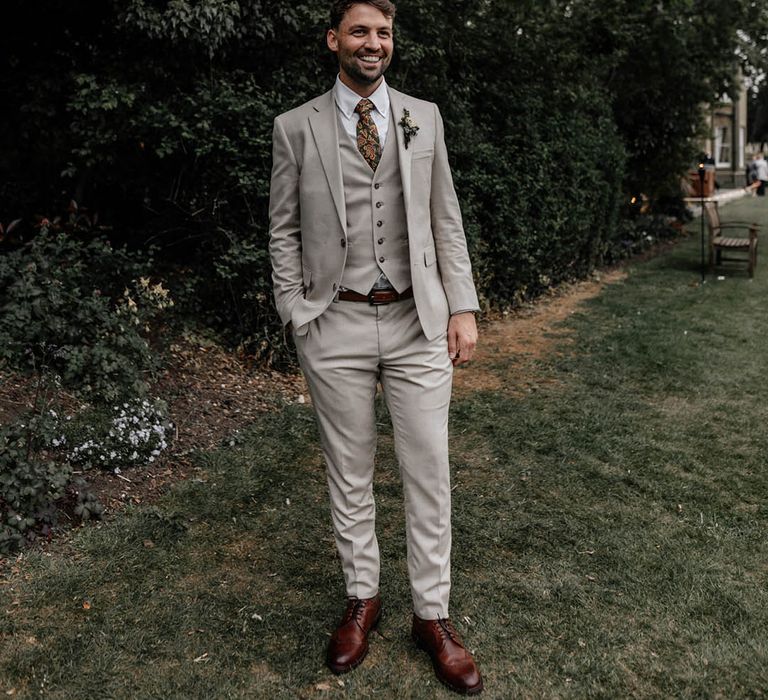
[(462, 337)]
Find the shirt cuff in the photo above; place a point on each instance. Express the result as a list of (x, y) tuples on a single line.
[(465, 311)]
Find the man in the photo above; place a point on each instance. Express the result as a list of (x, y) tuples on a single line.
[(757, 174), (371, 271), (761, 168), (752, 179)]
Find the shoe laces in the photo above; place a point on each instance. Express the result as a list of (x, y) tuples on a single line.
[(447, 631), (355, 610)]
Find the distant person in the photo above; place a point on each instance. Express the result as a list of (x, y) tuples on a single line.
[(751, 172), (760, 168), (753, 182), (709, 163)]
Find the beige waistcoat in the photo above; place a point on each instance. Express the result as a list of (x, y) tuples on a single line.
[(377, 230)]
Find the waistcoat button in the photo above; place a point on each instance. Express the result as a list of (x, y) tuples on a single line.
[(381, 240), (379, 223), (379, 205), (381, 259), (343, 243), (376, 186)]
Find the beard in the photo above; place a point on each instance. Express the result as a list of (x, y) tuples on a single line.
[(352, 69)]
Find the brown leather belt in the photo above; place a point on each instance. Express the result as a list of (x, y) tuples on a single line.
[(376, 297)]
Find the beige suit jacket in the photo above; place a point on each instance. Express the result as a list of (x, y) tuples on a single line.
[(308, 218)]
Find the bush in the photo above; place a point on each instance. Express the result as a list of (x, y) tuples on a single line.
[(32, 482), (637, 234), (551, 220), (65, 310), (75, 314), (538, 161), (39, 450)]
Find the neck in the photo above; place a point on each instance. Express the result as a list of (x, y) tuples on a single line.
[(362, 89)]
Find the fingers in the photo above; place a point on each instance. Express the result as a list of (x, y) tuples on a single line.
[(465, 350), (462, 338), (453, 346), (462, 348)]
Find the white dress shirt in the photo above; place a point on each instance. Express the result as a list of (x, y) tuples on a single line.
[(346, 101), (762, 169)]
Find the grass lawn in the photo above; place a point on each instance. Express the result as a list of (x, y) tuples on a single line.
[(609, 532)]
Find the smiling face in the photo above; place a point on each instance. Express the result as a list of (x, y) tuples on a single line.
[(364, 44)]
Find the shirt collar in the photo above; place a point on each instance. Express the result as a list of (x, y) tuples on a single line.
[(347, 99)]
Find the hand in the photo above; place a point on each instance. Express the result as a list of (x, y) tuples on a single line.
[(462, 337)]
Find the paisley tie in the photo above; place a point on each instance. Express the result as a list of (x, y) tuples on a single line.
[(367, 134)]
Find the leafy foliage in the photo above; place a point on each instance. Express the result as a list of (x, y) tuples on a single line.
[(758, 115), (75, 314), (32, 482), (556, 111), (62, 311)]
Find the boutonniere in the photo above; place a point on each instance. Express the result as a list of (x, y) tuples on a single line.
[(410, 127)]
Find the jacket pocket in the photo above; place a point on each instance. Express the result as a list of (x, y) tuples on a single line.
[(424, 153), (430, 258), (306, 275)]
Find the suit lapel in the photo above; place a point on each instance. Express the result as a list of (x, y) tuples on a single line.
[(324, 125), (398, 102)]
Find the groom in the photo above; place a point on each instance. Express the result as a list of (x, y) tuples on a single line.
[(371, 271)]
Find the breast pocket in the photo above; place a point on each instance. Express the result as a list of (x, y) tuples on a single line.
[(421, 168), (423, 153)]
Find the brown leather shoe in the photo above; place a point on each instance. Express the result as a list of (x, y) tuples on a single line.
[(453, 664), (349, 642)]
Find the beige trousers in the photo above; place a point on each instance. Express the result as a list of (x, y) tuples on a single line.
[(347, 350)]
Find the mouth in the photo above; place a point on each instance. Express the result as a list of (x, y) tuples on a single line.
[(370, 60)]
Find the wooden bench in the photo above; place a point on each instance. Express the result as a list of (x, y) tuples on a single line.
[(719, 242)]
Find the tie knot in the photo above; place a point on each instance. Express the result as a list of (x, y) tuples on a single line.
[(364, 107)]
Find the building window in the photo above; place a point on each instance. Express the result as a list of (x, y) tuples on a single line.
[(722, 147)]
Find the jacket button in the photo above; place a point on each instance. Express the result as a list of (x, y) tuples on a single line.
[(379, 223), (381, 240), (343, 243), (379, 205), (381, 259)]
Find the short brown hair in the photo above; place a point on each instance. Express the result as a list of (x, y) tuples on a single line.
[(340, 7)]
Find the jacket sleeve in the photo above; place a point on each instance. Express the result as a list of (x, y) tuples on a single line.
[(285, 224), (448, 231)]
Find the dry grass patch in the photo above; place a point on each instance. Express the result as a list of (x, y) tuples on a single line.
[(521, 339)]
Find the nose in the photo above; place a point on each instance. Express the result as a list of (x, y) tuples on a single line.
[(372, 41)]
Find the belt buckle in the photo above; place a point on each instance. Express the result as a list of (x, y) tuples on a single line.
[(373, 301)]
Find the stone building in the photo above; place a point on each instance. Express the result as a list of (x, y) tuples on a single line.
[(727, 140)]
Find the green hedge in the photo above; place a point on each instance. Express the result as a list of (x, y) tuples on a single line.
[(159, 115)]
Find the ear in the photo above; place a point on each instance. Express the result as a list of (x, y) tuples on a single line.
[(332, 40)]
